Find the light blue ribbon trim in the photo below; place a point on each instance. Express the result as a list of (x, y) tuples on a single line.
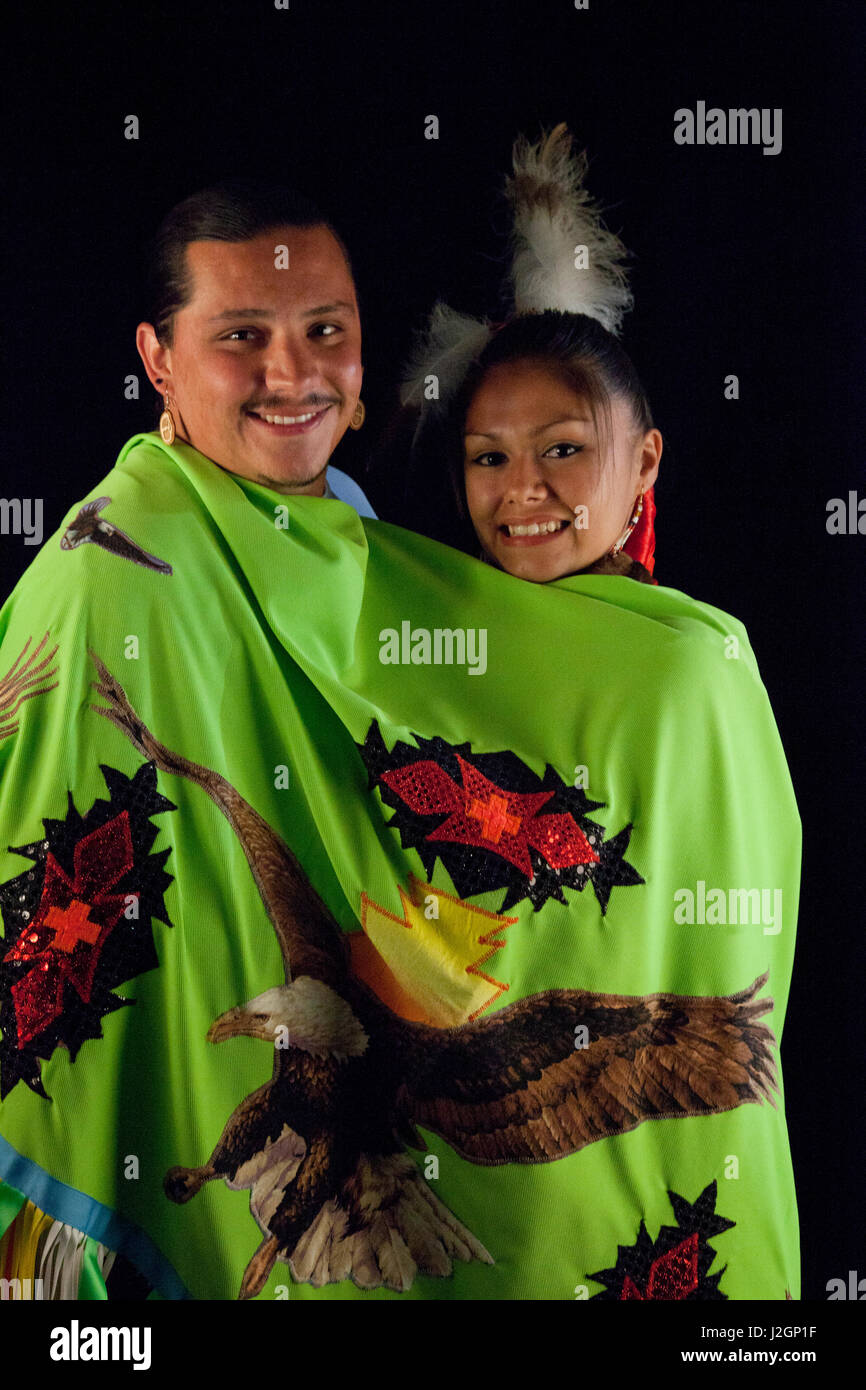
[(76, 1209)]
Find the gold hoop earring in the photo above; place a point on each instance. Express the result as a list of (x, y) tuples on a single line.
[(358, 416), (166, 423), (633, 521)]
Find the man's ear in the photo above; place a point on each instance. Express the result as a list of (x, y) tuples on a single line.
[(156, 357)]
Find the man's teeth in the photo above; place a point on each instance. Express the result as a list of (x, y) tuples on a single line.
[(289, 419), (535, 528)]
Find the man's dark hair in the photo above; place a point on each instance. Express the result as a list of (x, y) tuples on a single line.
[(236, 210)]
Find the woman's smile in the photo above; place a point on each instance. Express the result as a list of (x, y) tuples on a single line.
[(547, 496), (535, 531)]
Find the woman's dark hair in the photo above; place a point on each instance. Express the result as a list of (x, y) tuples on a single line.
[(236, 210), (586, 356)]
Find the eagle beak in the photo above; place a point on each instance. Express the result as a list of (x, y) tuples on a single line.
[(228, 1025)]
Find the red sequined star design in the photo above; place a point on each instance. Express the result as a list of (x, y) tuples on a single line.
[(675, 1266), (483, 814), (493, 822), (75, 918), (78, 923), (671, 1276)]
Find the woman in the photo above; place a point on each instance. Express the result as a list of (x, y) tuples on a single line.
[(559, 451)]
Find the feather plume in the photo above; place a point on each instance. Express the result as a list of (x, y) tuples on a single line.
[(444, 349), (554, 214)]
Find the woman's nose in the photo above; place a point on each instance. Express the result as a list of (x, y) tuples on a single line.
[(524, 475)]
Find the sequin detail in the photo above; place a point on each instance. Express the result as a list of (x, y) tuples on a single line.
[(78, 924), (494, 823), (674, 1266)]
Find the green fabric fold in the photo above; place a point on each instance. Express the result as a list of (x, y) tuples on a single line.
[(259, 657)]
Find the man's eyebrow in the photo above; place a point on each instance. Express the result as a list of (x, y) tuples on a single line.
[(329, 308), (241, 314), (566, 420), (268, 313)]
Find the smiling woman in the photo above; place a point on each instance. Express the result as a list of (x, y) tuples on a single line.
[(546, 429), (558, 448)]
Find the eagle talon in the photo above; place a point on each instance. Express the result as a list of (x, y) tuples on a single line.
[(181, 1184)]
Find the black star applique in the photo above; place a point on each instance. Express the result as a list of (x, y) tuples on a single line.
[(78, 923), (494, 823), (675, 1265)]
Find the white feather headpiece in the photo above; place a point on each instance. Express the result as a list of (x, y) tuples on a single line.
[(563, 256), (443, 351)]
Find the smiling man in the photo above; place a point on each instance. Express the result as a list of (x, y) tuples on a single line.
[(255, 337), (175, 568)]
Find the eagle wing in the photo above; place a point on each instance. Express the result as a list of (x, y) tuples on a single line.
[(111, 538), (543, 1077), (310, 939)]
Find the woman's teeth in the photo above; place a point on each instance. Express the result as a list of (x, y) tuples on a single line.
[(536, 528)]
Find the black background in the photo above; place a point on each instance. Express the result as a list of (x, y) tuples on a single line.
[(743, 263)]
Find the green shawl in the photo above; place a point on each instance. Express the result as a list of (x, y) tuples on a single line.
[(535, 812)]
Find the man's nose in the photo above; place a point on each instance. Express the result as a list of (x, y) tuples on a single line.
[(290, 364)]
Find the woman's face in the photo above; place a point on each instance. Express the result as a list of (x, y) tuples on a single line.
[(533, 466)]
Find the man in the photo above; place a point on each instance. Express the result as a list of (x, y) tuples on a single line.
[(256, 339), (350, 940), (254, 342)]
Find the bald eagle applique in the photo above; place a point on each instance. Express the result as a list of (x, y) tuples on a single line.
[(321, 1147), (88, 525), (494, 823)]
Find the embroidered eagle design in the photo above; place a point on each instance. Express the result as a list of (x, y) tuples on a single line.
[(322, 1146), (23, 681), (88, 525)]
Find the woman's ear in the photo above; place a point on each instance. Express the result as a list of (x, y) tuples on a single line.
[(651, 452)]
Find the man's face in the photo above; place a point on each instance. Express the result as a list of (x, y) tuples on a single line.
[(264, 369)]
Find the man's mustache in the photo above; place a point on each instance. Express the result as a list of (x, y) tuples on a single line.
[(276, 407)]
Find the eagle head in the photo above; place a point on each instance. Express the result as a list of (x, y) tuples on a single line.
[(306, 1014)]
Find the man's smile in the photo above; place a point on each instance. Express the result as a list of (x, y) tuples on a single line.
[(299, 422)]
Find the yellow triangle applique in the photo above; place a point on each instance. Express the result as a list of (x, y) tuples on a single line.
[(429, 964)]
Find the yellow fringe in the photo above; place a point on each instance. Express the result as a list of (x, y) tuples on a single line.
[(20, 1243)]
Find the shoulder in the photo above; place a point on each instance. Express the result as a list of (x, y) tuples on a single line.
[(347, 490), (683, 632), (106, 543)]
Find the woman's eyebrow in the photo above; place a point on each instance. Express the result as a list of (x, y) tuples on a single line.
[(539, 429), (565, 420)]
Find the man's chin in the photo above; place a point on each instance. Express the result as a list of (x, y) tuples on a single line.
[(279, 470)]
